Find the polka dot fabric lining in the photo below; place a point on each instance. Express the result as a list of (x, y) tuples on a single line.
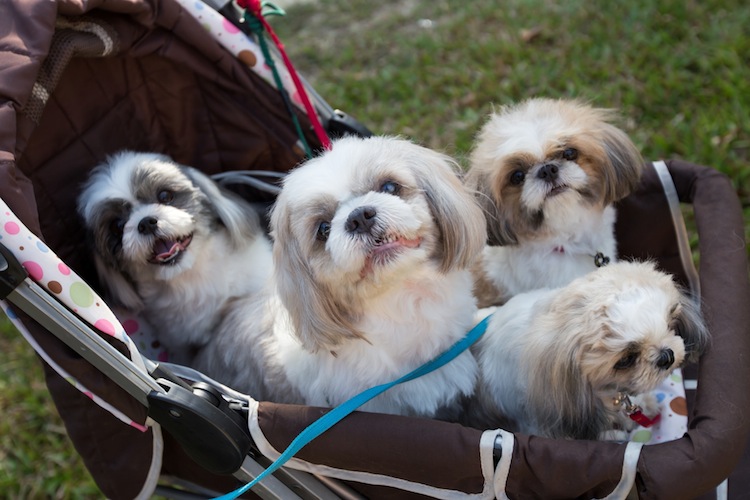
[(240, 45), (47, 270)]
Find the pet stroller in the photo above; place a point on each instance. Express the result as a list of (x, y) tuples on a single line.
[(81, 80)]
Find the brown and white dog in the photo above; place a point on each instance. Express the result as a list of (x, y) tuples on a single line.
[(546, 173), (558, 362)]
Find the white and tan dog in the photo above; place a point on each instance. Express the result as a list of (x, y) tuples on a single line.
[(172, 246), (373, 244), (547, 173), (559, 362)]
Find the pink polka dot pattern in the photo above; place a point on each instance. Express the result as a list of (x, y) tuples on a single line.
[(229, 27), (35, 270), (105, 326), (670, 395), (131, 326), (50, 273), (11, 228), (238, 44), (45, 268), (142, 334)]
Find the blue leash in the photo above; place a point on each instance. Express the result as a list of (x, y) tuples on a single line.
[(336, 414)]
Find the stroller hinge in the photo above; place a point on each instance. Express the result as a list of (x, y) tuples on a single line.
[(211, 432)]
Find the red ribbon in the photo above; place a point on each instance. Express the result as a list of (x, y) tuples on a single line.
[(254, 6), (642, 420)]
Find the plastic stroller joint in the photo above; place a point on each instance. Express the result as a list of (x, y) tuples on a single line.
[(340, 124), (12, 273), (212, 433)]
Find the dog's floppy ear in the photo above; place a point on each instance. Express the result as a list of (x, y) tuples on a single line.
[(623, 173), (499, 230), (455, 210), (565, 404), (241, 221), (318, 321), (691, 326), (558, 389), (118, 288)]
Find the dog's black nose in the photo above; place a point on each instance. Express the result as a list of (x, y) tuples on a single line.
[(548, 172), (666, 359), (361, 220), (147, 225)]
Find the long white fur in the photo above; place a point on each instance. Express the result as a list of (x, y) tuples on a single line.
[(537, 264), (576, 227), (321, 322), (398, 315), (547, 359), (228, 260)]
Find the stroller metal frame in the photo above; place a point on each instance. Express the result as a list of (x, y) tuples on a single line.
[(149, 389)]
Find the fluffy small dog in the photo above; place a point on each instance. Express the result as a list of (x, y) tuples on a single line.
[(546, 173), (171, 245), (559, 362), (373, 244)]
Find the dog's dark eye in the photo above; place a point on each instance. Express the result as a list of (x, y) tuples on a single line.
[(626, 361), (116, 226), (517, 177), (570, 154), (324, 230), (165, 196), (390, 187)]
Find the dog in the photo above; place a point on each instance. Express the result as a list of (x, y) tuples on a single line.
[(171, 245), (373, 242), (560, 362), (546, 173)]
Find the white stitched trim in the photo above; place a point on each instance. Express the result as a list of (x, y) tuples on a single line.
[(683, 241), (363, 477), (629, 466), (157, 448), (508, 442), (487, 457), (154, 471)]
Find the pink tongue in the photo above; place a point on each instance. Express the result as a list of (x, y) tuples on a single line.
[(164, 249)]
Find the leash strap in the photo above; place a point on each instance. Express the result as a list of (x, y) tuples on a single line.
[(338, 413), (255, 7), (256, 26)]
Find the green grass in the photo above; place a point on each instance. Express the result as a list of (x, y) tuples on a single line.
[(37, 459), (678, 71)]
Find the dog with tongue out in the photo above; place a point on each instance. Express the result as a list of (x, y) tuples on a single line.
[(173, 246)]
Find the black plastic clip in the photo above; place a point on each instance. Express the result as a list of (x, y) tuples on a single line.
[(12, 273), (341, 124), (208, 429)]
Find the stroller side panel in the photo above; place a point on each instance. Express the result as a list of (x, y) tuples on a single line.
[(719, 423)]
